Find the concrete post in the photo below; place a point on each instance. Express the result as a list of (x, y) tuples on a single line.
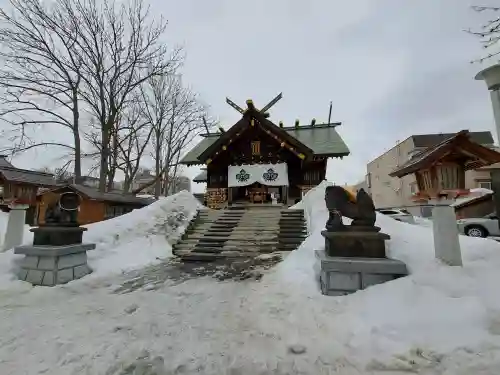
[(491, 76), (15, 226), (446, 240)]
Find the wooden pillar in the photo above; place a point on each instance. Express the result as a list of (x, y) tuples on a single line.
[(229, 195)]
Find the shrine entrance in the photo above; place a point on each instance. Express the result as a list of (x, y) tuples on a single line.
[(257, 183)]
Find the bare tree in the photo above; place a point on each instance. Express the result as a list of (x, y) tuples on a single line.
[(176, 117), (40, 75), (489, 33), (121, 48), (131, 143)]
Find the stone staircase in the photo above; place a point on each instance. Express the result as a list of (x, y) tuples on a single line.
[(241, 231)]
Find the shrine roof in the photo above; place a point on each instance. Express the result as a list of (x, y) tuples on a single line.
[(429, 140), (323, 140), (461, 142), (201, 177), (23, 176)]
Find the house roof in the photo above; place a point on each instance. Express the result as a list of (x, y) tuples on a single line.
[(23, 176), (201, 177), (94, 194), (323, 140), (472, 200), (4, 162), (462, 142), (428, 140)]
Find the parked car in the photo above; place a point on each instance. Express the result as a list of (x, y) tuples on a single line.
[(398, 214), (479, 227)]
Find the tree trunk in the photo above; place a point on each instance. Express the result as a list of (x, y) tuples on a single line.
[(113, 160), (158, 168), (77, 172), (103, 173)]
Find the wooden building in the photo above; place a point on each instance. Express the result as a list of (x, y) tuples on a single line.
[(475, 207), (440, 170), (256, 158), (21, 186), (95, 206)]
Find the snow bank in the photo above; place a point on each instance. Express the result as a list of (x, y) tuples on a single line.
[(127, 242), (437, 309)]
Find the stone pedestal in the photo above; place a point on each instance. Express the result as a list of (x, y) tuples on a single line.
[(15, 226), (446, 240), (356, 242), (52, 265), (342, 275), (57, 235)]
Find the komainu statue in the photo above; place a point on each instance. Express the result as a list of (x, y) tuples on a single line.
[(360, 209)]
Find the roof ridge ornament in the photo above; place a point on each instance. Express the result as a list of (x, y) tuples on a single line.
[(250, 105)]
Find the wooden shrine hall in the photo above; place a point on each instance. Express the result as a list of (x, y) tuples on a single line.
[(258, 161)]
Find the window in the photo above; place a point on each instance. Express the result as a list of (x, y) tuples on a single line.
[(413, 188), (388, 212), (114, 211), (256, 148), (484, 184), (369, 180)]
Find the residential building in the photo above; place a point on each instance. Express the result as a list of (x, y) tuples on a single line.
[(176, 184), (94, 206), (392, 192)]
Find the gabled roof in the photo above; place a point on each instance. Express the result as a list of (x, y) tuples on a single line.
[(429, 140), (23, 176), (322, 140), (94, 194), (201, 177), (243, 124), (460, 142)]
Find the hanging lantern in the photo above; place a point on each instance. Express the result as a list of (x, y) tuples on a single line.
[(224, 147), (283, 144)]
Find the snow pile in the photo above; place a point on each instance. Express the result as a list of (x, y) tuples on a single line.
[(140, 237), (399, 325), (423, 222), (127, 242)]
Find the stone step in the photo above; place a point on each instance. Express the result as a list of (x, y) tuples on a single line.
[(239, 231), (234, 236), (203, 257), (237, 248), (287, 248)]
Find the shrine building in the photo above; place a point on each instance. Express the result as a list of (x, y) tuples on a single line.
[(256, 160)]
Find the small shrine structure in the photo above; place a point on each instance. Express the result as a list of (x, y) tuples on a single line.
[(440, 174), (440, 170), (255, 159)]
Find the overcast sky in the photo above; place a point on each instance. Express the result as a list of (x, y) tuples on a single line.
[(392, 68)]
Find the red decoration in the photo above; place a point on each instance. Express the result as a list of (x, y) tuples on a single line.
[(18, 201)]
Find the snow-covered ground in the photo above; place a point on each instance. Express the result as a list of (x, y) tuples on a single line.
[(127, 242), (439, 320)]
